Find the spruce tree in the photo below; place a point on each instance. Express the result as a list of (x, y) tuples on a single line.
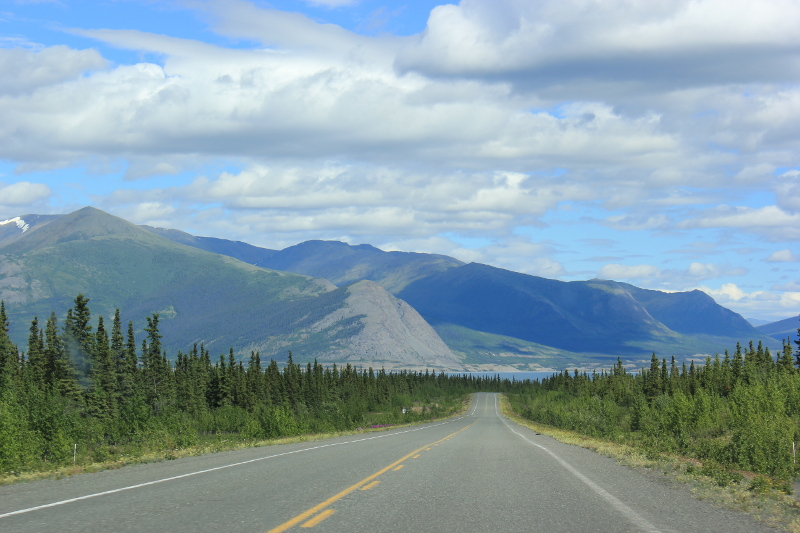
[(35, 367), (104, 378), (9, 356)]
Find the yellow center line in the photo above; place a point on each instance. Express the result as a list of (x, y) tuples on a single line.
[(416, 456), (319, 518), (395, 469), (320, 506), (371, 485)]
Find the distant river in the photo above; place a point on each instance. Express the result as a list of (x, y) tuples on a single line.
[(516, 376)]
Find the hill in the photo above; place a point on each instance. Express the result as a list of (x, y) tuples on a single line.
[(14, 228), (490, 318), (236, 249), (342, 263), (782, 329), (595, 318), (201, 296), (499, 319)]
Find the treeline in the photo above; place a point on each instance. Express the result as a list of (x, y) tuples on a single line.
[(739, 412), (96, 391)]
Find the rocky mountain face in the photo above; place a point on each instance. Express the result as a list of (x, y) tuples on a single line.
[(201, 297), (370, 328)]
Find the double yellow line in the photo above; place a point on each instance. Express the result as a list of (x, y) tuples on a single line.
[(306, 515)]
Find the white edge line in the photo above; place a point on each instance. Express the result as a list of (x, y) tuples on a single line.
[(629, 513), (130, 487)]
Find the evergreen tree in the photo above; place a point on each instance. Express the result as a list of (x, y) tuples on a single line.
[(35, 367), (61, 375), (104, 378), (156, 373), (9, 356)]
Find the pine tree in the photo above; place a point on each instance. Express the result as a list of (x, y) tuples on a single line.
[(104, 378), (652, 378), (78, 338), (785, 363), (155, 374), (61, 375), (36, 361), (737, 368), (9, 356)]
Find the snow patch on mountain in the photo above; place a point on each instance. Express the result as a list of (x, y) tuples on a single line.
[(21, 224)]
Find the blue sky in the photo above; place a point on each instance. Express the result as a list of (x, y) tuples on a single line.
[(652, 143)]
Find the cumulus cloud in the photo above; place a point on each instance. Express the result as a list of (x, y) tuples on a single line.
[(360, 197), (518, 254), (669, 279), (757, 303), (677, 119), (37, 68), (783, 256), (552, 42), (23, 193), (787, 191), (770, 220)]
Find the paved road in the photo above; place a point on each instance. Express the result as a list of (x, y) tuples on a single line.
[(478, 472)]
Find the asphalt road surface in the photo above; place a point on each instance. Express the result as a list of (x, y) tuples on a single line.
[(479, 472)]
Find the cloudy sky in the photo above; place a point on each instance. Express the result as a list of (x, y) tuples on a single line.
[(654, 142)]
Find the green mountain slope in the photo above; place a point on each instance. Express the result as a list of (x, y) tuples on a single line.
[(494, 317), (692, 312), (342, 263), (335, 261), (782, 329), (15, 228), (575, 316), (236, 249), (584, 318), (201, 296)]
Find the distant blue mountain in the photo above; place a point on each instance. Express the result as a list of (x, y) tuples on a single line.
[(782, 329), (485, 312)]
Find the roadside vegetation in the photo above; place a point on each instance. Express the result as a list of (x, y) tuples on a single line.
[(730, 426), (84, 394)]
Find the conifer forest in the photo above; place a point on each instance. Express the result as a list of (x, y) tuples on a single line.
[(734, 413), (86, 391)]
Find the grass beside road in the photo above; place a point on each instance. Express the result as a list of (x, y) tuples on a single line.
[(211, 444), (740, 491)]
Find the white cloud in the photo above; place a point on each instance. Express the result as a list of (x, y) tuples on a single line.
[(637, 116), (770, 220), (33, 69), (783, 256), (549, 42), (23, 193), (637, 222), (787, 191), (757, 303), (617, 272), (673, 279)]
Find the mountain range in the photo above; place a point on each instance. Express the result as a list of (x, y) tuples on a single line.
[(336, 302)]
